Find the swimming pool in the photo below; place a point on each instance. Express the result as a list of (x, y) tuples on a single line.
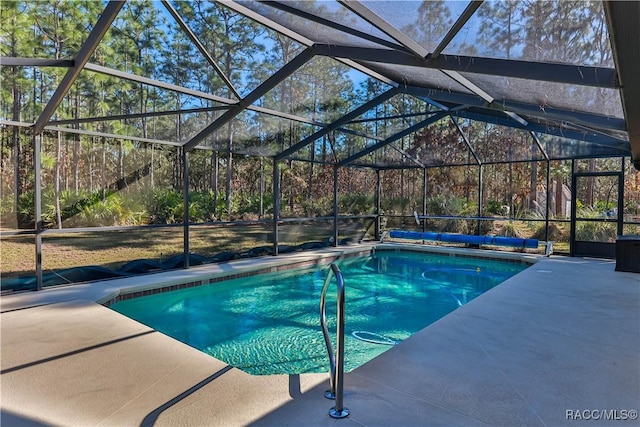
[(269, 323)]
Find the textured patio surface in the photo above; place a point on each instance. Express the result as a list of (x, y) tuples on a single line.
[(557, 342)]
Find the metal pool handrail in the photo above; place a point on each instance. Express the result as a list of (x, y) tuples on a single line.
[(336, 361)]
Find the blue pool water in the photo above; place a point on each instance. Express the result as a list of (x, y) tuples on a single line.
[(269, 324)]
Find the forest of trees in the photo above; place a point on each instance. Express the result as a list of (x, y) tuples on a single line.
[(96, 180)]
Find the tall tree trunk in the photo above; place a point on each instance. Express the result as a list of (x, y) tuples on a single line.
[(533, 194), (590, 184), (76, 149), (91, 162), (120, 162), (56, 185), (261, 187), (402, 189), (143, 109), (177, 184), (559, 204), (216, 171), (324, 149), (229, 170), (467, 179), (103, 169), (510, 194), (15, 134), (413, 185), (3, 164), (64, 166), (212, 169), (291, 189)]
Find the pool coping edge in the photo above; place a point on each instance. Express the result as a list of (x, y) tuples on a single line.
[(204, 276)]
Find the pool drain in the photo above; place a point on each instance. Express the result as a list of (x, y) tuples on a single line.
[(373, 338)]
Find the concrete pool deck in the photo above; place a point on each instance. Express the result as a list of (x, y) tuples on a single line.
[(556, 343)]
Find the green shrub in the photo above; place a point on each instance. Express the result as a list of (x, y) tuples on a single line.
[(166, 206), (455, 206), (356, 204), (202, 206), (321, 206), (509, 230), (493, 207), (250, 204), (397, 205), (595, 231), (604, 206)]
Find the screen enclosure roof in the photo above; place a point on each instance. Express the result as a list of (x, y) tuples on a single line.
[(382, 84)]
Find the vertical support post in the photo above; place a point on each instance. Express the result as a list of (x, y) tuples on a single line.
[(335, 205), (185, 198), (378, 193), (619, 231), (37, 169), (216, 172), (548, 204), (480, 190), (572, 227), (536, 140), (276, 204), (261, 214), (424, 198)]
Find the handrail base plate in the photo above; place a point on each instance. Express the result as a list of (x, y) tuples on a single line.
[(338, 414)]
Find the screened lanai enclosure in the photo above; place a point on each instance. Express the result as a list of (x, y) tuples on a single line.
[(141, 136)]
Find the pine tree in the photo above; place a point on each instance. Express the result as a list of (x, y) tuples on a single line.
[(502, 31)]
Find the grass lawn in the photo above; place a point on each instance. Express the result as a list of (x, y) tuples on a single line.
[(111, 249)]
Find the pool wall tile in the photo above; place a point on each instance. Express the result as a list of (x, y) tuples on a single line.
[(284, 267), (323, 260)]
